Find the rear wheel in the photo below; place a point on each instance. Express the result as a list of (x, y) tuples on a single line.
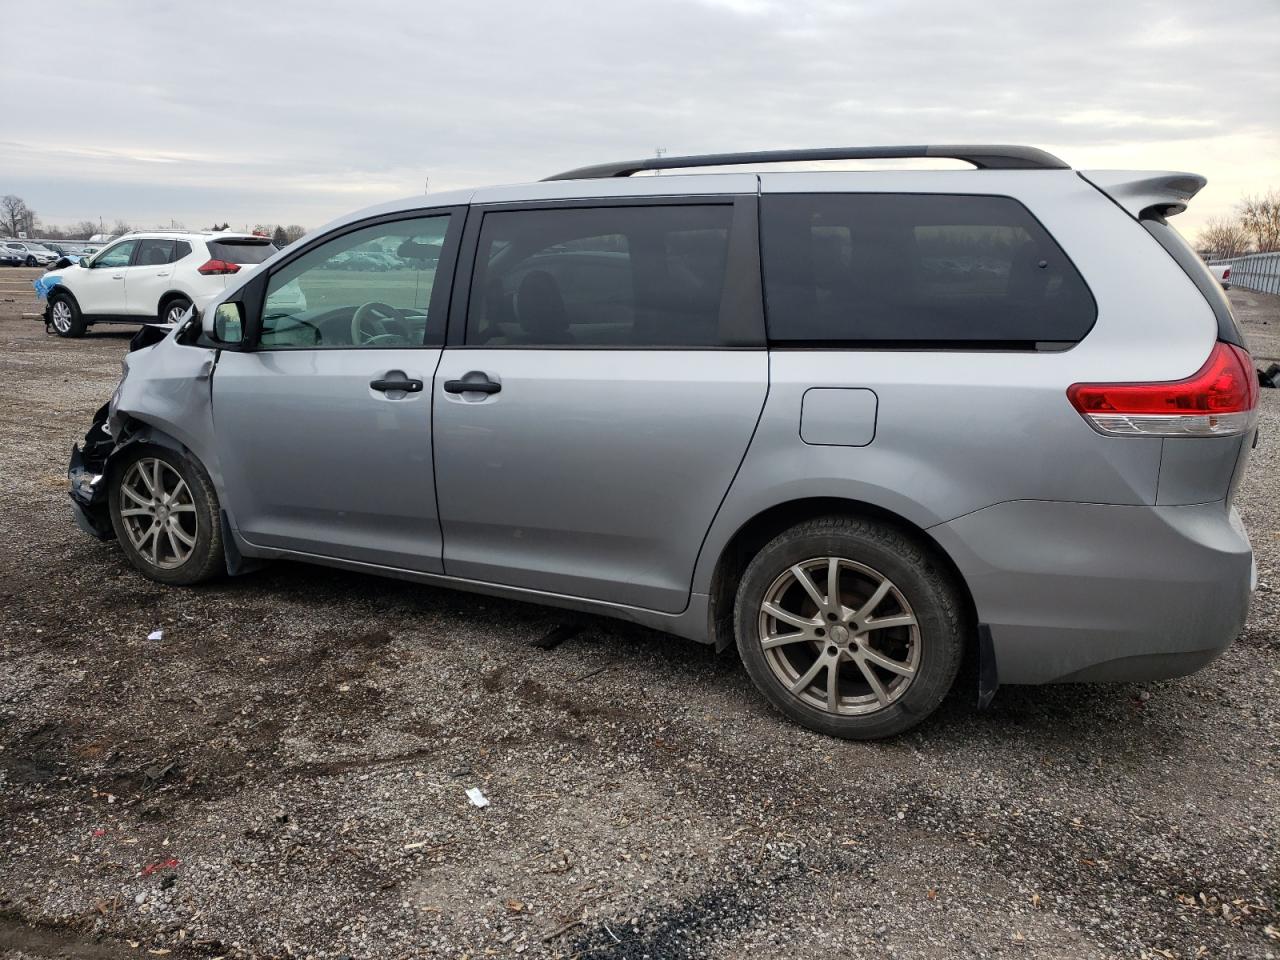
[(64, 315), (31, 261), (165, 514), (171, 310), (849, 627)]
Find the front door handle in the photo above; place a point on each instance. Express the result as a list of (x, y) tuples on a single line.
[(407, 384), (482, 384)]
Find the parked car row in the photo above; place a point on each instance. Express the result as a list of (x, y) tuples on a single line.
[(42, 253), (26, 253)]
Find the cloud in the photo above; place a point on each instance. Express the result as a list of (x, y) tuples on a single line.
[(300, 110)]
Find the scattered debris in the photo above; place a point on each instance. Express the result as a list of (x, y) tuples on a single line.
[(151, 868), (477, 798), (155, 773), (1269, 377), (558, 635), (155, 635)]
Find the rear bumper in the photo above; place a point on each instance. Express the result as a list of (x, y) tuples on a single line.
[(1080, 591)]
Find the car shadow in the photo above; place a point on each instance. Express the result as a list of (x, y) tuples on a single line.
[(1055, 719)]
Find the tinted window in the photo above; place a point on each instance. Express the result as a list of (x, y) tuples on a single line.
[(910, 269), (368, 288), (154, 253), (629, 276), (116, 256), (181, 249), (241, 251)]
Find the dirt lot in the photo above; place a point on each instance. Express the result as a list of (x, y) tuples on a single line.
[(283, 774)]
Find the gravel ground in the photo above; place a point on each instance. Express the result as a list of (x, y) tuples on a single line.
[(284, 773)]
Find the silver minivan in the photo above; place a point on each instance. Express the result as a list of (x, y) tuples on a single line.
[(860, 424)]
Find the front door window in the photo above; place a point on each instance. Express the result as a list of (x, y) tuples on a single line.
[(368, 288)]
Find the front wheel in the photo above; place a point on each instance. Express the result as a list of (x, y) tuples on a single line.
[(165, 514), (65, 316), (31, 261), (849, 627)]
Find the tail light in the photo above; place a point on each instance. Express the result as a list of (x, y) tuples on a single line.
[(1220, 399), (211, 268)]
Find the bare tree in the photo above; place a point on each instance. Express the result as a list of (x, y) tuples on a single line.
[(1223, 238), (278, 237), (1260, 216), (15, 216), (294, 233), (121, 227), (83, 230)]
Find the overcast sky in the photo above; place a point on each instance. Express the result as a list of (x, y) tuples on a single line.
[(296, 112)]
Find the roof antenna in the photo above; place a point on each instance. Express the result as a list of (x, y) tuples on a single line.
[(658, 152)]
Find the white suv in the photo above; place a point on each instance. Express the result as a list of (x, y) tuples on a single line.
[(149, 277)]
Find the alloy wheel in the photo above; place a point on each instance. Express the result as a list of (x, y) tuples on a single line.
[(839, 636), (159, 513), (174, 313), (61, 314)]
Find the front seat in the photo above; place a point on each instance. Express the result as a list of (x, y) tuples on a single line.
[(540, 309)]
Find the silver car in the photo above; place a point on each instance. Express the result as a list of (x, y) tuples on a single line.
[(31, 254), (858, 424)]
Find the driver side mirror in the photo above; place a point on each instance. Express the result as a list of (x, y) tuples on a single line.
[(225, 326)]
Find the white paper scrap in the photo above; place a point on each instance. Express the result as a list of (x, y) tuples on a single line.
[(155, 635), (477, 798)]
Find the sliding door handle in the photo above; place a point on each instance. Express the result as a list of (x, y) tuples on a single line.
[(482, 384)]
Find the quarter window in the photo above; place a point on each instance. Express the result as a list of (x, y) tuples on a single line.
[(625, 276), (368, 288), (899, 269)]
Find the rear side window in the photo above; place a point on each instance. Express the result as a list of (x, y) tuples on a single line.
[(154, 253), (916, 270), (241, 251), (625, 276)]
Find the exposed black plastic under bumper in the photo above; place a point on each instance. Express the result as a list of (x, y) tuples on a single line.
[(86, 479)]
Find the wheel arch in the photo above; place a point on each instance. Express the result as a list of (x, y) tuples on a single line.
[(168, 296), (61, 289), (759, 529)]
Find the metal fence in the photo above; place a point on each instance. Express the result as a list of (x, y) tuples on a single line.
[(1258, 271)]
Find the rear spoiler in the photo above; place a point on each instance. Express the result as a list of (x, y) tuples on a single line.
[(1143, 192)]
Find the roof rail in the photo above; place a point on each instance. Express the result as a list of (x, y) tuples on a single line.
[(982, 156)]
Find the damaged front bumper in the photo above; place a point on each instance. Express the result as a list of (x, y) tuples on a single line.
[(86, 478)]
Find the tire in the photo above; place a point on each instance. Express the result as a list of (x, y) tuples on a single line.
[(168, 308), (927, 638), (31, 261), (65, 316), (185, 546)]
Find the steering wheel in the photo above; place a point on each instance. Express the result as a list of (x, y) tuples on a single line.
[(369, 321)]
